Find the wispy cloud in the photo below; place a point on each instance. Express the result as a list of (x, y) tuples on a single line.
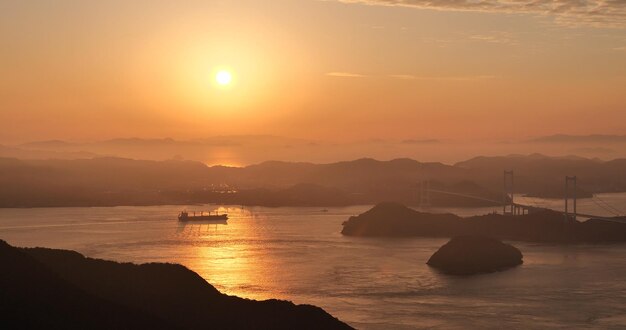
[(602, 13), (403, 76), (411, 77), (496, 37), (345, 74), (420, 141), (623, 48), (450, 78), (492, 37)]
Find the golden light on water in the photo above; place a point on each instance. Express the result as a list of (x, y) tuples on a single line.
[(235, 267)]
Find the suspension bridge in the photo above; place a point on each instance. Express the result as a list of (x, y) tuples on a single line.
[(511, 207)]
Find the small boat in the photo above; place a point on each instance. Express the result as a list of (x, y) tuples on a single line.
[(184, 216)]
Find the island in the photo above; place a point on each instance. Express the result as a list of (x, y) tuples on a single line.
[(469, 255), (56, 289), (397, 220)]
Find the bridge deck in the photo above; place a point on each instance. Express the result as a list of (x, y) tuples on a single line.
[(529, 207)]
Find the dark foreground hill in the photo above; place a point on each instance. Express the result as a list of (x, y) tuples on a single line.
[(58, 289), (396, 220)]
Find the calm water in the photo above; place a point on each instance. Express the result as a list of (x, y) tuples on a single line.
[(299, 254)]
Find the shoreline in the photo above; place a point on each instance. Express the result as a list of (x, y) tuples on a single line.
[(55, 287), (283, 205)]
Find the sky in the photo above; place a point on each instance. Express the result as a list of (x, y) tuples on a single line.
[(322, 70)]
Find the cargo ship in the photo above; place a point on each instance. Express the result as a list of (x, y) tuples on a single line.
[(185, 216)]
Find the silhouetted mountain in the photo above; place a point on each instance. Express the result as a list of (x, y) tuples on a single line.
[(595, 138), (593, 150), (396, 220), (20, 153), (118, 181), (45, 288), (468, 255), (167, 148), (368, 179), (298, 195), (241, 150), (95, 182), (540, 175), (47, 145)]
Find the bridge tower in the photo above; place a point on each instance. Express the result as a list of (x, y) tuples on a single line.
[(508, 205), (424, 198), (570, 193)]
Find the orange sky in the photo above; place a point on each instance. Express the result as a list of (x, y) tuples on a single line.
[(324, 70)]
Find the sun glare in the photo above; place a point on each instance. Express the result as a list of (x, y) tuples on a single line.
[(223, 77)]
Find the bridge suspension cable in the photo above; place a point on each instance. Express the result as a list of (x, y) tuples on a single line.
[(534, 202), (596, 200), (464, 195), (604, 207), (618, 211)]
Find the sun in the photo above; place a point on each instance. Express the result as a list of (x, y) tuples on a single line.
[(223, 77)]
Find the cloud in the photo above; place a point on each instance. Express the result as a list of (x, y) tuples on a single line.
[(411, 77), (403, 76), (450, 78), (418, 141), (496, 37), (600, 13), (345, 74)]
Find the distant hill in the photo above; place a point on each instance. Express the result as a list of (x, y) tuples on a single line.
[(243, 150), (543, 176), (95, 182), (24, 153), (203, 150), (118, 181), (57, 289), (593, 138), (47, 145)]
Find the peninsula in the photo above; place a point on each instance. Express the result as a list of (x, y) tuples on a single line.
[(397, 220)]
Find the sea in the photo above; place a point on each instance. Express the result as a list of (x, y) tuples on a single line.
[(299, 254)]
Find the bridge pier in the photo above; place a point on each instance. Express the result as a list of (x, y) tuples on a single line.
[(519, 209), (512, 208), (508, 205), (424, 198), (570, 193)]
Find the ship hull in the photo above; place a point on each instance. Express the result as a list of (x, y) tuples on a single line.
[(221, 217)]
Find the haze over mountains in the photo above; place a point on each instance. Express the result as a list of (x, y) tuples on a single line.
[(119, 181), (592, 138), (244, 150)]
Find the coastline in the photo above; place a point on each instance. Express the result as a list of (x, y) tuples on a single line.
[(52, 287)]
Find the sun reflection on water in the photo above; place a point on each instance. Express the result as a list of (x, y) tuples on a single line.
[(240, 266)]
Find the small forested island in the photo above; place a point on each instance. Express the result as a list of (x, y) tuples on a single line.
[(469, 255), (397, 220), (57, 289)]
